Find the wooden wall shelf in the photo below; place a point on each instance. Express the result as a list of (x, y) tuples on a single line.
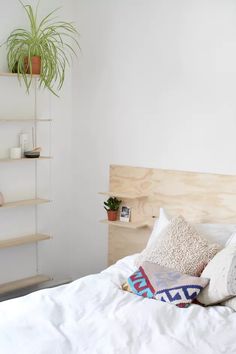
[(20, 120), (23, 283), (26, 159), (124, 195), (26, 202), (14, 121), (127, 225), (6, 74), (23, 240)]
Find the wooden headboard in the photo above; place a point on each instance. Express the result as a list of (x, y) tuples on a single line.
[(199, 197)]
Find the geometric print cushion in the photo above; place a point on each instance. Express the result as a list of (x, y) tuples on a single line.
[(160, 283)]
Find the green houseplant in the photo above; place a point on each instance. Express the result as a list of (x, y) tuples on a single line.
[(45, 49), (112, 206)]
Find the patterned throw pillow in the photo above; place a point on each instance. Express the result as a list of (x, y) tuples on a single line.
[(160, 283), (180, 247)]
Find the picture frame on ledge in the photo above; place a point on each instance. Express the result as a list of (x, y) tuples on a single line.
[(125, 213)]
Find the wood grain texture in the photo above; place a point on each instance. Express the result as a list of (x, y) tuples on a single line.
[(27, 202), (124, 242), (23, 120), (16, 75), (199, 197), (123, 195), (26, 159), (23, 283), (23, 240), (129, 225)]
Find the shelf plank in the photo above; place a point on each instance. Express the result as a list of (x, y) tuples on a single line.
[(27, 202), (8, 74), (26, 159), (23, 283), (22, 292), (23, 240), (16, 120), (127, 225), (125, 195)]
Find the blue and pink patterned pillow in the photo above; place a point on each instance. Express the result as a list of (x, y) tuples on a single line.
[(160, 283)]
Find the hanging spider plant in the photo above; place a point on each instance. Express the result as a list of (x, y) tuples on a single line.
[(48, 43)]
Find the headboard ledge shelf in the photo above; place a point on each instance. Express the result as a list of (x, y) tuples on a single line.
[(129, 225)]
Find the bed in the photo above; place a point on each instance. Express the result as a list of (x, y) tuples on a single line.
[(94, 315)]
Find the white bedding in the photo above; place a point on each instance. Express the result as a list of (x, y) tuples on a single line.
[(93, 315)]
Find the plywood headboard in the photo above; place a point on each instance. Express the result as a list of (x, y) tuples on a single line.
[(199, 197)]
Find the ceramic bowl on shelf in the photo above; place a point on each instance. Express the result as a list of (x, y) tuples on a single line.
[(33, 154)]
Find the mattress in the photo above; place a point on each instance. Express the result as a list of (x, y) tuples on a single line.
[(93, 315)]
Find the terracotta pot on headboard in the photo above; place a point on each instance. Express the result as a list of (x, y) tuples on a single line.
[(112, 215)]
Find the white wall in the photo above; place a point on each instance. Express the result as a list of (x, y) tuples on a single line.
[(16, 178), (155, 87)]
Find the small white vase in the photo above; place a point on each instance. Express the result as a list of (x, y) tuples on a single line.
[(1, 199)]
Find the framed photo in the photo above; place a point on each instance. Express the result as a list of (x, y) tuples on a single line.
[(125, 213)]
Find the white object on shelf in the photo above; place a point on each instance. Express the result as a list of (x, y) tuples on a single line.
[(24, 142), (125, 213), (15, 153)]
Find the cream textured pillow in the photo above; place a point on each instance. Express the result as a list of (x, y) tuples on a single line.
[(181, 248), (221, 271)]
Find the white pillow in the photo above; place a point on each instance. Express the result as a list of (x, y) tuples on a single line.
[(221, 271), (159, 226), (219, 233), (231, 240), (230, 303)]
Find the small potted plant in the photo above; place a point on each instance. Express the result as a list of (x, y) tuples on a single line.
[(112, 206), (43, 49)]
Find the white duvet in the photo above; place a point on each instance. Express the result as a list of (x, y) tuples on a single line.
[(93, 315)]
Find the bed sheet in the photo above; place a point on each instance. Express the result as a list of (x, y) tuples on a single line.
[(94, 315)]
